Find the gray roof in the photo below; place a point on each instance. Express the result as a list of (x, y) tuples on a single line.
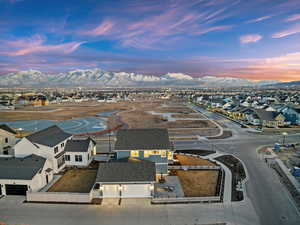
[(267, 115), (7, 128), (21, 168), (78, 145), (142, 139), (50, 136), (132, 170)]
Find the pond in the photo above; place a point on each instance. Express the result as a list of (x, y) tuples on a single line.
[(80, 125), (108, 113)]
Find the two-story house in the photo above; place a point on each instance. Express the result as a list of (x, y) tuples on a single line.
[(7, 140), (145, 144), (79, 152), (49, 143)]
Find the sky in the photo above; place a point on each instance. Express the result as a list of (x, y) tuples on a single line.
[(257, 39)]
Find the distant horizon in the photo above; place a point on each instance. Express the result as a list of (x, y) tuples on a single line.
[(148, 74), (255, 40)]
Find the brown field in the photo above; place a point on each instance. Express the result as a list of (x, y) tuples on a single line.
[(179, 115), (132, 114), (180, 109), (193, 161), (63, 111), (198, 183), (75, 180)]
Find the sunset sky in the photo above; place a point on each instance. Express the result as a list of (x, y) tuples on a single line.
[(257, 39)]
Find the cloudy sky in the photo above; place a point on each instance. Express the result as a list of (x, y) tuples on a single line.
[(257, 39)]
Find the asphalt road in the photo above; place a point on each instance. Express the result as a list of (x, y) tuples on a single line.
[(270, 199)]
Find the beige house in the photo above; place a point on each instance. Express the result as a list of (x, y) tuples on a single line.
[(7, 140)]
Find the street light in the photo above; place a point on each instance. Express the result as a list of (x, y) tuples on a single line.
[(284, 137)]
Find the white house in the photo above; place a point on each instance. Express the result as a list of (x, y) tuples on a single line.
[(48, 143), (19, 175), (134, 178), (7, 140), (79, 152)]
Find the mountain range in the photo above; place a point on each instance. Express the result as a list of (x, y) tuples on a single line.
[(101, 78)]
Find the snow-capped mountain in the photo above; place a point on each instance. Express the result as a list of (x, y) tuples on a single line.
[(101, 78)]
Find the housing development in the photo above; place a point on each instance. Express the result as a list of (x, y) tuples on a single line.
[(149, 112)]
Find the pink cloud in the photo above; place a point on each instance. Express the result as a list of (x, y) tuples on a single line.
[(177, 20), (295, 29), (36, 44), (250, 38), (105, 28), (259, 19), (293, 18)]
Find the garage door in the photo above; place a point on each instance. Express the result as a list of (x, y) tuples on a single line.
[(13, 189), (136, 191), (111, 191)]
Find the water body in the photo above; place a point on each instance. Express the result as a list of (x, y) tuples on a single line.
[(108, 113), (74, 126)]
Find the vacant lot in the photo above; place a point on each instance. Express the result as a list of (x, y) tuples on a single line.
[(198, 183), (181, 109), (193, 161), (190, 115), (63, 111), (75, 180)]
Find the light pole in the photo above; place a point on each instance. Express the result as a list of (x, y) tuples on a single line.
[(284, 137)]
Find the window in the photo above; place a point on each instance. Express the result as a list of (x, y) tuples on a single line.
[(62, 145), (170, 155), (67, 157), (6, 140), (78, 158), (163, 154), (61, 161), (56, 149), (147, 154), (134, 153)]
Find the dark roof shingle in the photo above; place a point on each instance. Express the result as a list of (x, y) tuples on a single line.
[(7, 128), (78, 145), (21, 168), (132, 170), (50, 136), (142, 139)]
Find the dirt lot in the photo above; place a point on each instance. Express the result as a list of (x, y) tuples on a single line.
[(193, 161), (198, 183), (132, 114), (63, 111), (75, 180), (190, 115)]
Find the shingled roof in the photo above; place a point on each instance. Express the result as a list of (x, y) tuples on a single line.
[(7, 128), (142, 139), (21, 168), (78, 145), (267, 115), (132, 170), (50, 136)]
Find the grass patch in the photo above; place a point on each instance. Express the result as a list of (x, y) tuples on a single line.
[(193, 161), (75, 180), (198, 183)]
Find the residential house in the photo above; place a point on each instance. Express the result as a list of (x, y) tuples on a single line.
[(7, 140), (79, 152), (19, 175), (48, 143), (126, 178), (145, 144), (292, 114), (271, 119)]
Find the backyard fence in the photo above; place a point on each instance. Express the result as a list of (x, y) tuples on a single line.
[(186, 200), (63, 197), (194, 167)]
